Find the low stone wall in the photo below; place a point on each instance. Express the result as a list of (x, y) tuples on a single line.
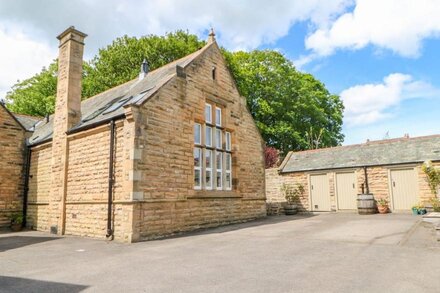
[(274, 194)]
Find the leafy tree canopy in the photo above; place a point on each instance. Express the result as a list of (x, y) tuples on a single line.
[(293, 110)]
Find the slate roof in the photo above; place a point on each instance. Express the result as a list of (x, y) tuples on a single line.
[(98, 109), (27, 121), (374, 153)]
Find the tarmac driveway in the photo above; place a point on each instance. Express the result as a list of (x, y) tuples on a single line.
[(320, 253)]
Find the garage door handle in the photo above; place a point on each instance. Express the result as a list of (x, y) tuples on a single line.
[(394, 184)]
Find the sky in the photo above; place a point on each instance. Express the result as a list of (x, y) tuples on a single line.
[(380, 56)]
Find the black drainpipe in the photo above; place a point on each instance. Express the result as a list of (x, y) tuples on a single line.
[(366, 180), (110, 181), (26, 184)]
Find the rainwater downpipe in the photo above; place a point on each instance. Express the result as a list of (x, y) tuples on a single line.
[(110, 181), (26, 184), (366, 180)]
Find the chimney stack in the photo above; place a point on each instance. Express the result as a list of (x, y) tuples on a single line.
[(67, 114), (70, 59)]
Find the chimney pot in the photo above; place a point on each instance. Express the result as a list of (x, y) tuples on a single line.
[(144, 70)]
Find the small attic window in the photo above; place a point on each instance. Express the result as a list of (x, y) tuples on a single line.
[(213, 72)]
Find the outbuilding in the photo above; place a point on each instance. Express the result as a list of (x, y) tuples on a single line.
[(332, 177)]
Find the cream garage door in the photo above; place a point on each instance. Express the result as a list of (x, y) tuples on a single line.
[(404, 188), (319, 193), (346, 191)]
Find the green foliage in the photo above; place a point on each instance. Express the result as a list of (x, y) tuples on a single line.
[(293, 110), (435, 202), (121, 61), (114, 65), (35, 95), (382, 202), (292, 194), (16, 219), (432, 176)]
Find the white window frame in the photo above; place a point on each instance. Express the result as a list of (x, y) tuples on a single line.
[(206, 141), (210, 113), (228, 156), (228, 141), (200, 133), (219, 171), (218, 138), (199, 168), (209, 170), (218, 114)]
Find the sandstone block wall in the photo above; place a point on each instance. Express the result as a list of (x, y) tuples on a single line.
[(165, 141), (40, 180), (12, 160)]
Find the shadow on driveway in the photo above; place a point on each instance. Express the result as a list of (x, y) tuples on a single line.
[(13, 242), (13, 284)]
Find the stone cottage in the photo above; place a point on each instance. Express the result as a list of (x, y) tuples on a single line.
[(332, 177), (173, 150)]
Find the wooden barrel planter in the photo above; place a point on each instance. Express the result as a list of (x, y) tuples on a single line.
[(366, 204)]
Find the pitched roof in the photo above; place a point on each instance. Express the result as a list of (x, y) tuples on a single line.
[(374, 153), (110, 104), (27, 121)]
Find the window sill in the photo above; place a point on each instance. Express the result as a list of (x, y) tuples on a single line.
[(210, 194)]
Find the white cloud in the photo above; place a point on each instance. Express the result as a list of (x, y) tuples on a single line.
[(20, 56), (397, 25), (28, 28), (369, 103)]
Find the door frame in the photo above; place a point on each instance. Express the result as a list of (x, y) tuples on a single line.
[(412, 167), (336, 186), (309, 179)]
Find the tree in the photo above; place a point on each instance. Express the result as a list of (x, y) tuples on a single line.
[(35, 95), (113, 65), (271, 157), (291, 108), (121, 61)]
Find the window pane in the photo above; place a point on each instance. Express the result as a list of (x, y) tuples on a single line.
[(197, 157), (228, 162), (219, 179), (208, 113), (208, 159), (197, 133), (228, 184), (218, 116), (208, 179), (228, 141), (218, 138), (197, 180), (219, 160), (208, 136)]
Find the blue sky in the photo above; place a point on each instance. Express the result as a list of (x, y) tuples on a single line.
[(380, 56)]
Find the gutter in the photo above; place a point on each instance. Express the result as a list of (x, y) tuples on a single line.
[(79, 129), (110, 181), (355, 167), (26, 184)]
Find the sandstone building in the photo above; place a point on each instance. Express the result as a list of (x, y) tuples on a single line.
[(174, 150), (332, 177)]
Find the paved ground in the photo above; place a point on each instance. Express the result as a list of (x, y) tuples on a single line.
[(321, 253)]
